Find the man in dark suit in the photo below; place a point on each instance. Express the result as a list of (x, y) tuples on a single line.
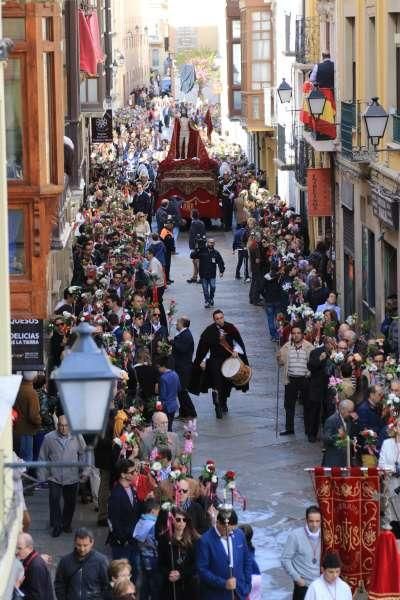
[(142, 202), (123, 514), (338, 423), (154, 327), (182, 351), (224, 563)]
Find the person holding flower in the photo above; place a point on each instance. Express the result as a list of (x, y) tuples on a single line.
[(339, 431), (370, 410)]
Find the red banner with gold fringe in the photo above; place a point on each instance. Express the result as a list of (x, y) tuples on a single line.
[(349, 503)]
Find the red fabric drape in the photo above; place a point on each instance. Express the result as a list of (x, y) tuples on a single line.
[(90, 51), (386, 577), (350, 514)]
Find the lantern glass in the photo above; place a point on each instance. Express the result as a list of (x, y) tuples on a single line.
[(376, 119), (316, 102), (284, 92), (86, 403)]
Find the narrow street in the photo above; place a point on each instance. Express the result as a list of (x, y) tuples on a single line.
[(270, 471)]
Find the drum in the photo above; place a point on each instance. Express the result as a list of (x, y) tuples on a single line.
[(236, 371)]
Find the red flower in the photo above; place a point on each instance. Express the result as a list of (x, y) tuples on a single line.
[(230, 475)]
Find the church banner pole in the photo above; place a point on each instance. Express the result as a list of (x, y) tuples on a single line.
[(277, 401)]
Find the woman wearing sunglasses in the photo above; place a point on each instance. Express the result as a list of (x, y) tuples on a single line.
[(176, 556)]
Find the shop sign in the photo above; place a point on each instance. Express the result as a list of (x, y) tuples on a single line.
[(27, 344), (319, 192), (102, 128), (386, 209)]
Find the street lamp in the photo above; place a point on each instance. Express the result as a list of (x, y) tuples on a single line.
[(85, 381), (376, 119), (316, 102), (284, 92)]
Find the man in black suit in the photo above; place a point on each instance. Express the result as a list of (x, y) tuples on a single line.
[(154, 327), (339, 423), (182, 351), (123, 514), (142, 202)]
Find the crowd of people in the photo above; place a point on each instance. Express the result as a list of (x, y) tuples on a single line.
[(170, 535)]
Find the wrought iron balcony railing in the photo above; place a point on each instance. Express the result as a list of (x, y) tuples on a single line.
[(307, 40), (284, 149)]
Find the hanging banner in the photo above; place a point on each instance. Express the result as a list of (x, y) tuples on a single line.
[(27, 344), (319, 192), (102, 128), (350, 515)]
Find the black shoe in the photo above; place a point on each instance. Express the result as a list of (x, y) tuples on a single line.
[(218, 411), (102, 523), (67, 529), (207, 305), (312, 439), (287, 432), (211, 302), (56, 532), (169, 281), (191, 280)]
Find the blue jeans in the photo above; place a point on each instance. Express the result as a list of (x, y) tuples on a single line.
[(272, 309), (26, 447), (176, 233), (208, 289)]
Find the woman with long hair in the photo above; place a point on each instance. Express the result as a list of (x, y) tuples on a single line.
[(176, 555)]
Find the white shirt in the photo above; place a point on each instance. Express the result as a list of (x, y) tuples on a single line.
[(389, 454), (156, 267), (320, 589), (225, 543)]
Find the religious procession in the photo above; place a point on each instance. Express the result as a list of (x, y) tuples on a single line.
[(211, 418)]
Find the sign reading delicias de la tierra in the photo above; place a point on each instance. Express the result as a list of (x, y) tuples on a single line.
[(102, 128), (319, 192), (27, 344)]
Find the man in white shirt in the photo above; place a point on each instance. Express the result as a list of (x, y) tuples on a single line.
[(329, 586)]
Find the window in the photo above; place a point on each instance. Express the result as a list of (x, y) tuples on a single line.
[(89, 91), (368, 267), (48, 133), (261, 50), (14, 28), (16, 242), (237, 101), (255, 108), (350, 58), (13, 118), (155, 58), (236, 29), (371, 59), (237, 64)]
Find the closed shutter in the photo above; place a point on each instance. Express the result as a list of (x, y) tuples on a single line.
[(348, 231)]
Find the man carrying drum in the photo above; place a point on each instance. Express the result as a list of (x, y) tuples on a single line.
[(218, 343)]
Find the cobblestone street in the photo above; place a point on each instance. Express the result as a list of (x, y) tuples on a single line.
[(270, 471)]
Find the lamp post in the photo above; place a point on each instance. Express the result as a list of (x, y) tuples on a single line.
[(284, 92), (375, 119), (316, 102), (85, 381)]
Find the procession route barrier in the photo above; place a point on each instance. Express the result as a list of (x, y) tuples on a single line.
[(349, 499)]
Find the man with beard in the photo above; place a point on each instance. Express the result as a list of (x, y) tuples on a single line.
[(221, 340)]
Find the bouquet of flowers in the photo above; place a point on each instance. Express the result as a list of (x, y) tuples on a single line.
[(391, 368), (172, 309), (341, 439), (164, 348), (75, 291), (299, 285), (209, 472), (335, 382), (370, 439), (230, 479), (337, 358)]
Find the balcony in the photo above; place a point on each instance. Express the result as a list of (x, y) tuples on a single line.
[(396, 128), (307, 41), (302, 157), (347, 126), (285, 159)]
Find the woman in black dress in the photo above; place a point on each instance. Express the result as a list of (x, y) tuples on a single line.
[(176, 556)]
